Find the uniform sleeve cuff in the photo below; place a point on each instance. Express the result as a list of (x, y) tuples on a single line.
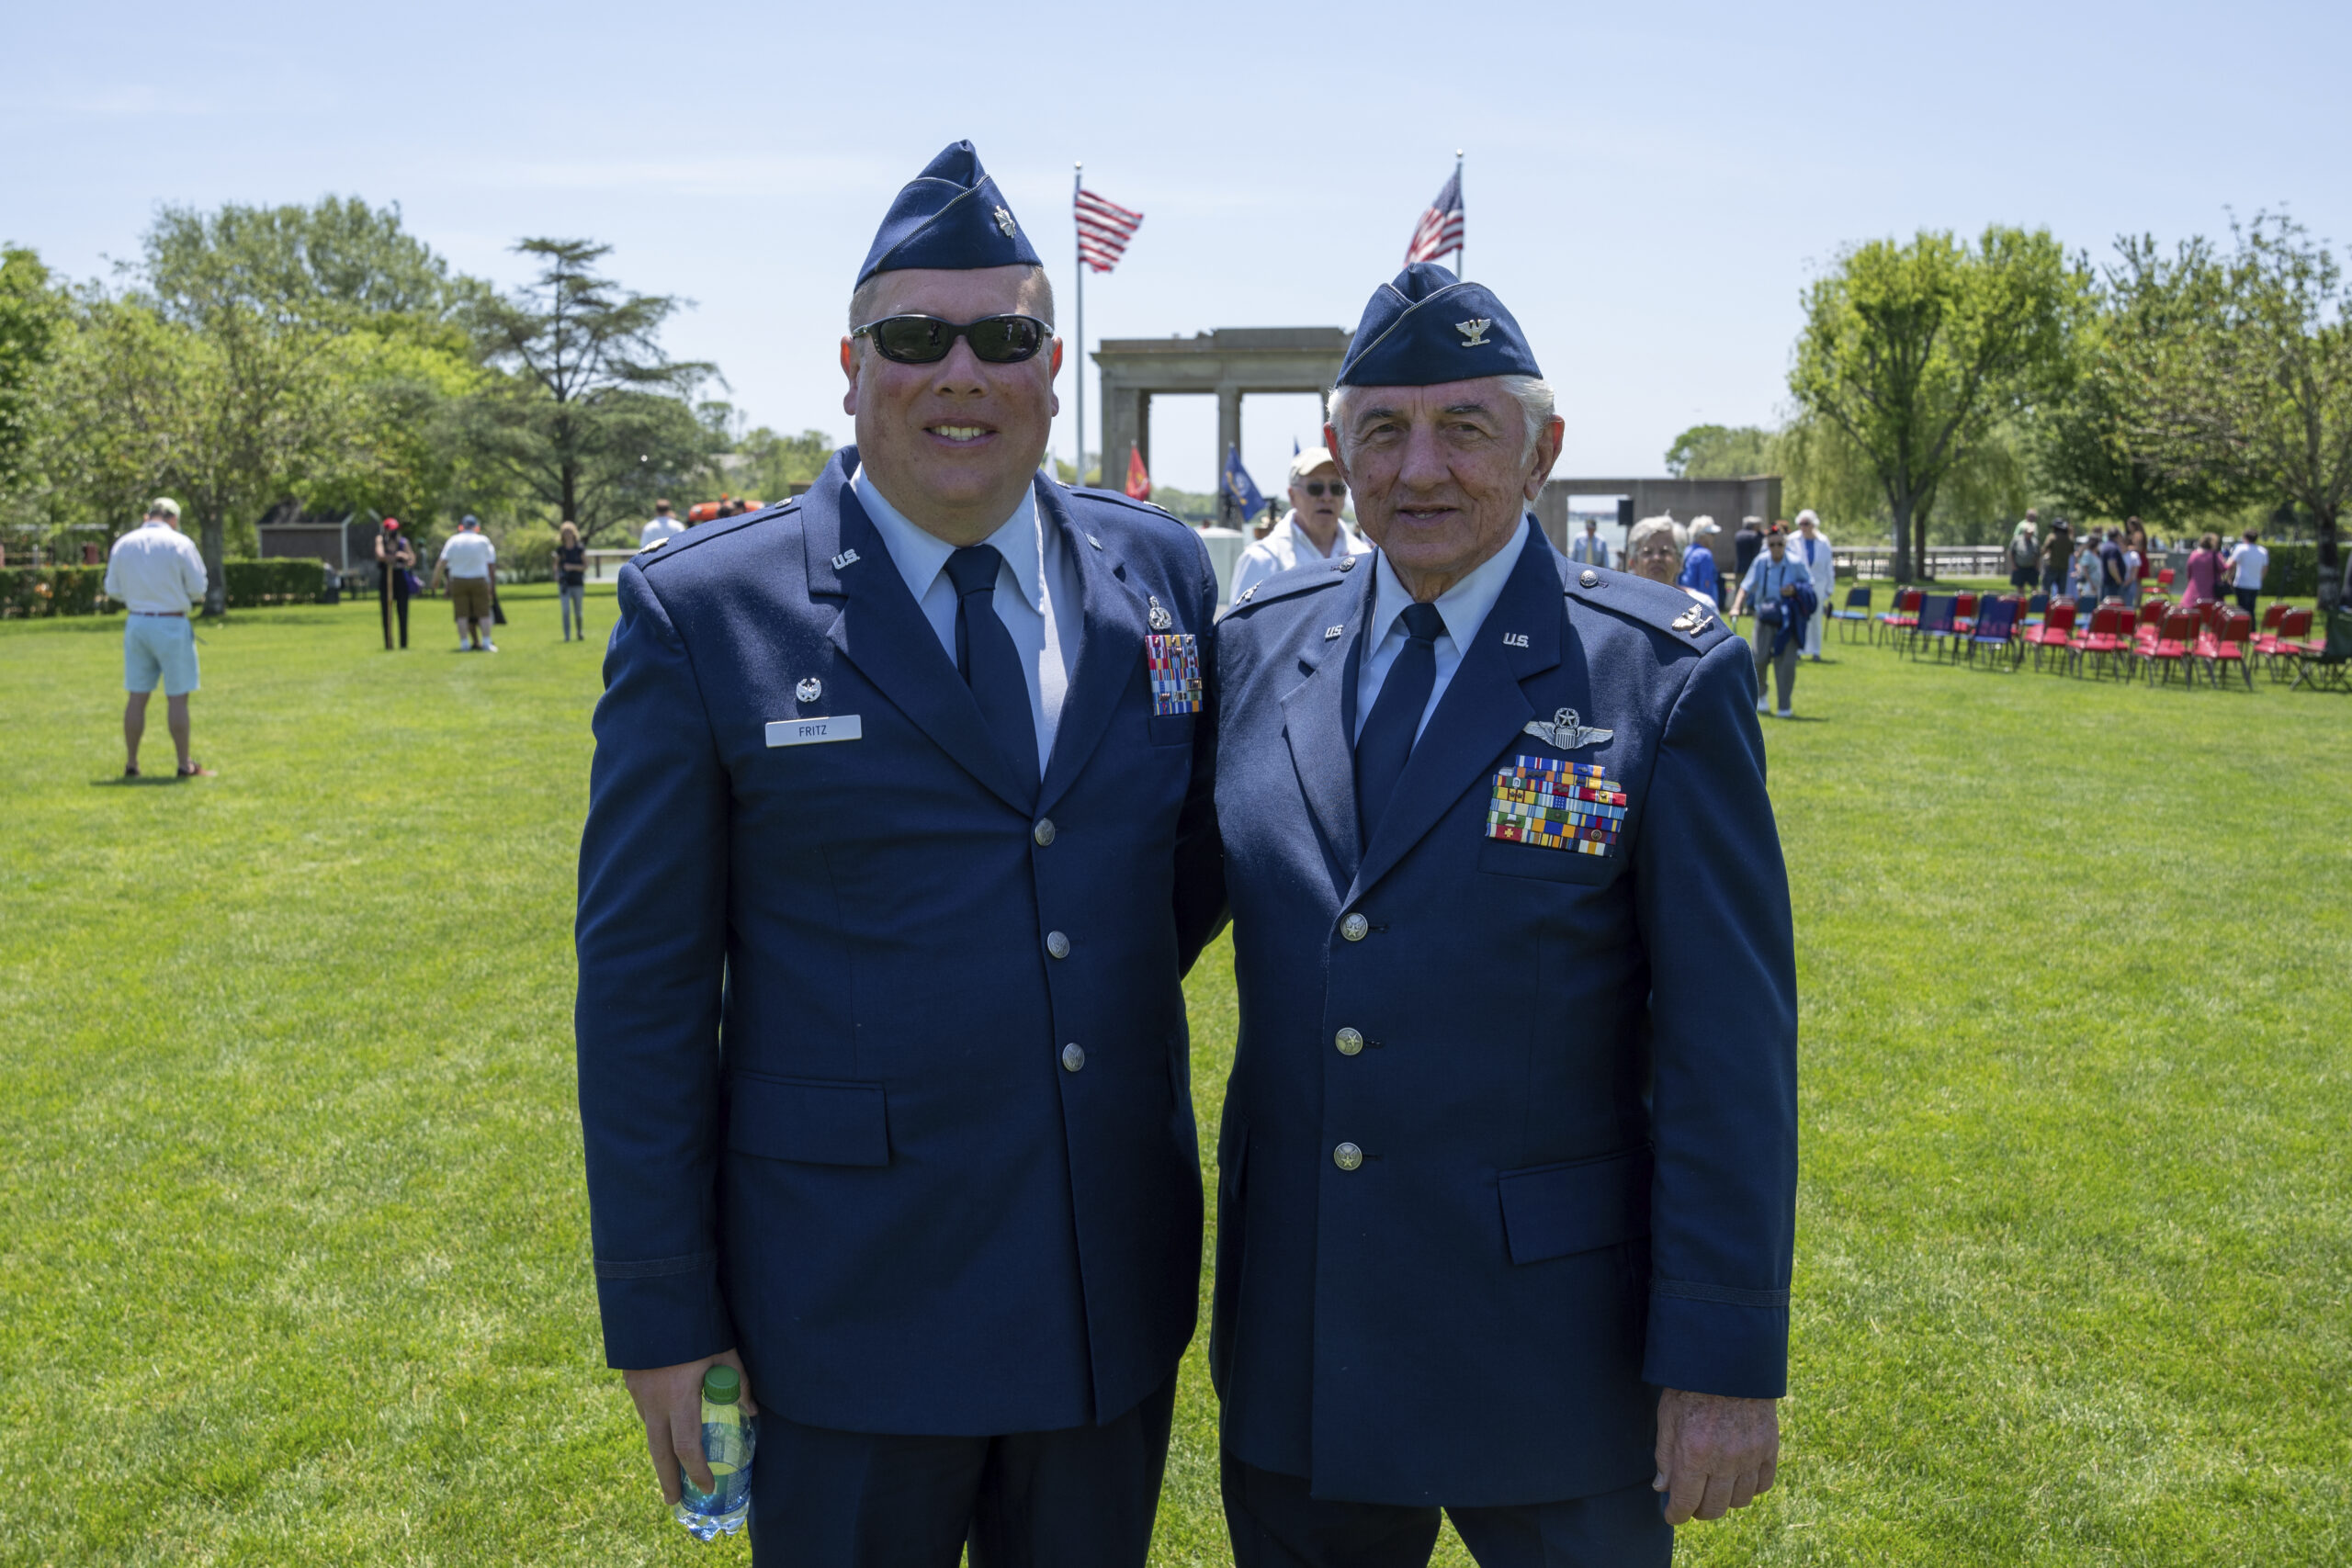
[(662, 1319), (1716, 1339)]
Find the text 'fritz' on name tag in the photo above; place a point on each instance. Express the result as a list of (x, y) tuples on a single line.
[(812, 731)]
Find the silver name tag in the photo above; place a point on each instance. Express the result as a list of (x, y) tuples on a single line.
[(809, 731)]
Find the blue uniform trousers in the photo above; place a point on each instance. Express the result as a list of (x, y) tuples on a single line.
[(1274, 1524), (1082, 1497)]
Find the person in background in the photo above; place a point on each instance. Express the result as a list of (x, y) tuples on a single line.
[(1311, 531), (156, 573), (2135, 567), (1699, 571), (2135, 542), (467, 561), (572, 579), (2057, 559), (395, 559), (2199, 583), (1811, 548), (1589, 548), (661, 526), (1654, 548), (2114, 573), (2025, 550), (1746, 545), (2247, 564), (2086, 572), (1771, 585)]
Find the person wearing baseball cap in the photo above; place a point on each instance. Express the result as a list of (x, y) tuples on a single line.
[(156, 573), (1505, 1213), (394, 559), (1312, 530)]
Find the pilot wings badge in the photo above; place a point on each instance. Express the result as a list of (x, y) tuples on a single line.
[(1693, 620), (1566, 731), (1473, 333)]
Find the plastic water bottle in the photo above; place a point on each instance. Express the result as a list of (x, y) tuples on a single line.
[(727, 1436)]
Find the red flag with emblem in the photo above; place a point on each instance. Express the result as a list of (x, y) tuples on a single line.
[(1139, 483)]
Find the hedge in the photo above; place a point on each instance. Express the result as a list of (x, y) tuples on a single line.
[(50, 590), (75, 590)]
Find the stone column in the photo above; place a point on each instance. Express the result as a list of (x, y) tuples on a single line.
[(1229, 439), (1122, 427)]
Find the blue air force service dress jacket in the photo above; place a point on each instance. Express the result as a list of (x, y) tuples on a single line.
[(1510, 1141), (846, 1107)]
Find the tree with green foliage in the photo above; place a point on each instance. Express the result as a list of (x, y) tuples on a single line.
[(29, 324), (1720, 452), (590, 420), (1917, 352), (2248, 383)]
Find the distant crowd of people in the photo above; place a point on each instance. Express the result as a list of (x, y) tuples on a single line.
[(2092, 567)]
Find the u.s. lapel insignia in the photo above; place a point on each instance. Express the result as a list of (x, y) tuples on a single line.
[(1567, 731), (1514, 639), (1330, 634), (847, 557), (1347, 563), (1004, 221), (1159, 618), (1693, 620), (1246, 594), (809, 690), (1174, 660), (1473, 333)]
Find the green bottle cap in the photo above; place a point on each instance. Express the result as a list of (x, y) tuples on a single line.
[(722, 1385)]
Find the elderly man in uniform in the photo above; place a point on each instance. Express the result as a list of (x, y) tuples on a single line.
[(908, 778), (1311, 531), (1505, 1211)]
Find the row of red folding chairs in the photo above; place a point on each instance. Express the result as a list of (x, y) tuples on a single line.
[(2161, 637)]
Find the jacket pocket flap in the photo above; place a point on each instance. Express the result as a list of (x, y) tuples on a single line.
[(1551, 1210), (809, 1121)]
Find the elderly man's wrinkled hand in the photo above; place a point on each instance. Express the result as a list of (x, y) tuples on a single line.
[(1715, 1453)]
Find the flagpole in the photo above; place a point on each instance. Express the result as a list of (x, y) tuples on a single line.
[(1461, 267), (1078, 243)]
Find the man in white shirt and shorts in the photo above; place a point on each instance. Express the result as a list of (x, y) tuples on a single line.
[(156, 573), (1311, 531), (2247, 564), (467, 561)]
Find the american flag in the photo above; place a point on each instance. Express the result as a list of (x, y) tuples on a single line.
[(1440, 229), (1103, 230)]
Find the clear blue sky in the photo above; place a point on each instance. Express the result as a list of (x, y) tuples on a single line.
[(1648, 193)]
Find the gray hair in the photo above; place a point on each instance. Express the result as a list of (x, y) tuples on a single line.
[(1532, 393), (861, 300), (1649, 528)]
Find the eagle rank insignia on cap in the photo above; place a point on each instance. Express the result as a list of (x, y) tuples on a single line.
[(1566, 731), (1473, 333)]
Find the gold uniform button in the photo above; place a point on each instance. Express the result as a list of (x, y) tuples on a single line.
[(1058, 944), (1349, 1042), (1073, 1056), (1353, 926), (1347, 1157), (1044, 831)]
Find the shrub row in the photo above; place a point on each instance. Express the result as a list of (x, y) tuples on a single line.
[(75, 590)]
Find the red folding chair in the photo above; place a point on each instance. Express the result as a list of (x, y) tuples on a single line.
[(1899, 621), (2176, 641), (2109, 638), (1964, 616), (2225, 644), (2164, 578), (2055, 634), (2144, 634), (2278, 647)]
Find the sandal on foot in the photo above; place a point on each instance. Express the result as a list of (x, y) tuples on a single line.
[(193, 769)]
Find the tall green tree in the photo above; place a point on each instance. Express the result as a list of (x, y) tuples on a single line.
[(2251, 384), (589, 419), (1917, 352), (31, 318), (1719, 452)]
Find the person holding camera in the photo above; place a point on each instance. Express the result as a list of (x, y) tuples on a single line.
[(1779, 584)]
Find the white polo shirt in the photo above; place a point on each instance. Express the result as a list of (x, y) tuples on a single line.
[(155, 569), (468, 554)]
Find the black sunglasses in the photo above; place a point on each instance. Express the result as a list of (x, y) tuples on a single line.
[(1315, 487), (926, 340)]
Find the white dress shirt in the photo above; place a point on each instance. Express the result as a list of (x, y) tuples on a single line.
[(1038, 595), (1463, 609), (155, 569), (1286, 545)]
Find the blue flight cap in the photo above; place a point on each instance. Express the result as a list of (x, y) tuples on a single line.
[(951, 217), (1429, 327)]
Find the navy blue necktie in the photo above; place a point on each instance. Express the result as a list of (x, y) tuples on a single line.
[(985, 658), (1387, 738)]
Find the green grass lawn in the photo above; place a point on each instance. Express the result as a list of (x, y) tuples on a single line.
[(293, 1245)]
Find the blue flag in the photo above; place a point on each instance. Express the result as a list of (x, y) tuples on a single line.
[(1239, 487)]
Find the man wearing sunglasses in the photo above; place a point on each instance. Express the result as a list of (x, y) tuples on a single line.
[(912, 776), (1312, 530), (1504, 1212)]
